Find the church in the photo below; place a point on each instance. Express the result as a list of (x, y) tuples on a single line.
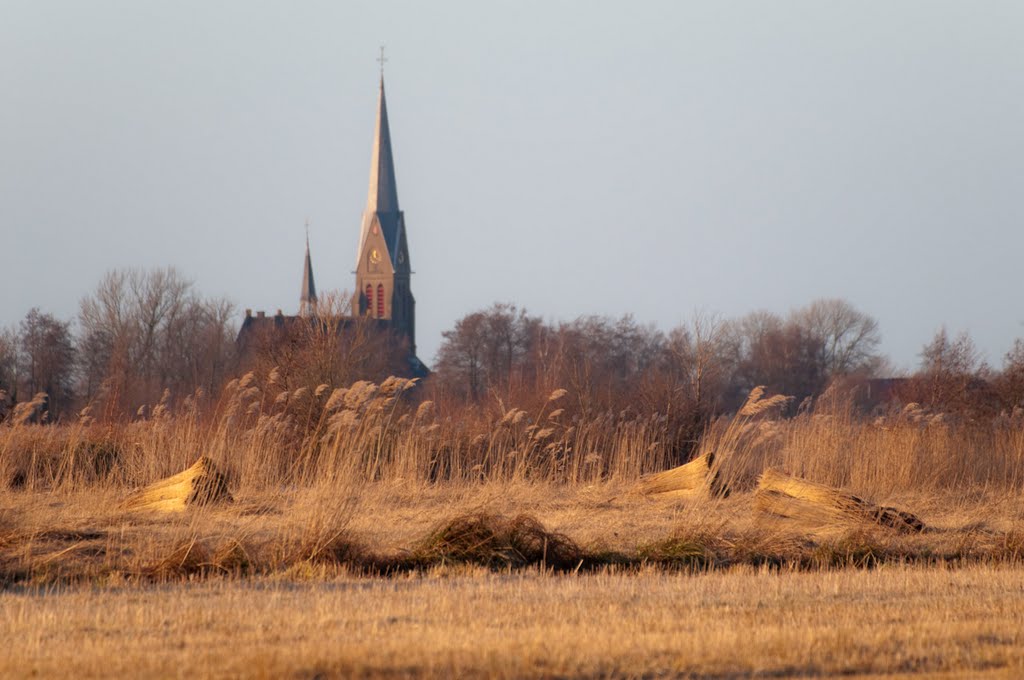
[(383, 275)]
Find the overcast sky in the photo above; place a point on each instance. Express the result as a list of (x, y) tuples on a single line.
[(576, 158)]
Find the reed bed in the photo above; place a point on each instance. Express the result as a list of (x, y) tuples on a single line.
[(266, 436), (372, 478)]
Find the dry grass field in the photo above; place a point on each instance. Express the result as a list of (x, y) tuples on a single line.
[(965, 622), (86, 539), (346, 532)]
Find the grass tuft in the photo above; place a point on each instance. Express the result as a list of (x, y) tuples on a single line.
[(696, 549), (496, 541)]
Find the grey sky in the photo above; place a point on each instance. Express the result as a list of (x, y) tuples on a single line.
[(575, 158)]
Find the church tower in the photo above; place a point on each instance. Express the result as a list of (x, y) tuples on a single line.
[(383, 273)]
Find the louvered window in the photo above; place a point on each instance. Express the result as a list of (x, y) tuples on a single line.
[(380, 301)]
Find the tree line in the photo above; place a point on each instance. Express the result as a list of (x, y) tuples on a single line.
[(707, 366), (138, 334), (144, 337), (141, 334)]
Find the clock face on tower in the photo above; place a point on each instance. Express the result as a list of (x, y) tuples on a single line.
[(374, 256)]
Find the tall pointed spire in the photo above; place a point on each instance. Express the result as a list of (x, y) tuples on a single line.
[(382, 198), (383, 194), (307, 300)]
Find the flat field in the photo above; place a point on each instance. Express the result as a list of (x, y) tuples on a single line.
[(965, 622), (284, 585), (87, 538)]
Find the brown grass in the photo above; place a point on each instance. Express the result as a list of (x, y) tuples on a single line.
[(263, 436), (892, 621), (335, 487), (86, 538), (363, 478), (498, 542)]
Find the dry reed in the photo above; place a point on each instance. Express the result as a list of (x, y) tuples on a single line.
[(301, 461)]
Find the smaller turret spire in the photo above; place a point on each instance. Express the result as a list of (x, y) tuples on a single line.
[(307, 301)]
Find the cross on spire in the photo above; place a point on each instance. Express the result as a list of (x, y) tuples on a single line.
[(382, 60)]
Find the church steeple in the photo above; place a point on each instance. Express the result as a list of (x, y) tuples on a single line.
[(383, 293), (383, 194), (383, 271), (307, 300)]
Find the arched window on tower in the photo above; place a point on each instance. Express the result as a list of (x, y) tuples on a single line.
[(380, 300), (369, 299)]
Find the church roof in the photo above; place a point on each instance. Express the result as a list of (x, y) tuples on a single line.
[(382, 198)]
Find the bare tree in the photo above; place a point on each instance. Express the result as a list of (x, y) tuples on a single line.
[(702, 358), (956, 357), (488, 350), (803, 353), (849, 339), (107, 335), (782, 355), (461, 362), (146, 331), (164, 310), (1009, 384), (8, 370), (47, 358), (952, 376), (9, 361), (604, 360)]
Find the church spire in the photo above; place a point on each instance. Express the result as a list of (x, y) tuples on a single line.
[(307, 300), (383, 272), (383, 194), (382, 198)]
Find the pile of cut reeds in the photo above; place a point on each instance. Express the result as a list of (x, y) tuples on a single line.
[(815, 504), (200, 484), (691, 480)]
